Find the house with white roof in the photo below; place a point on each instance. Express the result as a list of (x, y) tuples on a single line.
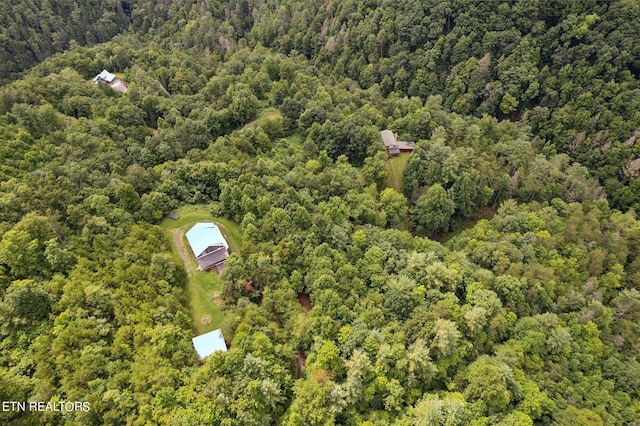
[(104, 77), (208, 343), (110, 79), (208, 246)]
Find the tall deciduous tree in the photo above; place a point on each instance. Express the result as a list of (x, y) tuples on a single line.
[(432, 212), (24, 303)]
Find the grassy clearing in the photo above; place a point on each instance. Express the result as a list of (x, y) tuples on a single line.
[(269, 113), (203, 288), (265, 114), (396, 171)]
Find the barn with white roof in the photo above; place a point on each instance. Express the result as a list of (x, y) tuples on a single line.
[(208, 246)]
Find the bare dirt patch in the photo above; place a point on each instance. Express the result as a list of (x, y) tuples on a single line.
[(119, 86), (215, 297), (301, 360), (305, 301)]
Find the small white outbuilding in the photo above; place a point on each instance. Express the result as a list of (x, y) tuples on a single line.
[(208, 343)]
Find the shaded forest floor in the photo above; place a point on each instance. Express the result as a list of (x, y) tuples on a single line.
[(305, 301), (203, 288)]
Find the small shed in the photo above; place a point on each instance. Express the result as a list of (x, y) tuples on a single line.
[(208, 343), (104, 77), (208, 246)]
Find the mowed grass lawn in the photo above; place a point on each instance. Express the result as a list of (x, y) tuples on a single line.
[(396, 171), (203, 288)]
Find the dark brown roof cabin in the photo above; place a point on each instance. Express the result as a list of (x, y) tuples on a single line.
[(393, 146)]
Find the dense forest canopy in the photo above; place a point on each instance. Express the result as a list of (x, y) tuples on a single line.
[(568, 69), (492, 279)]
